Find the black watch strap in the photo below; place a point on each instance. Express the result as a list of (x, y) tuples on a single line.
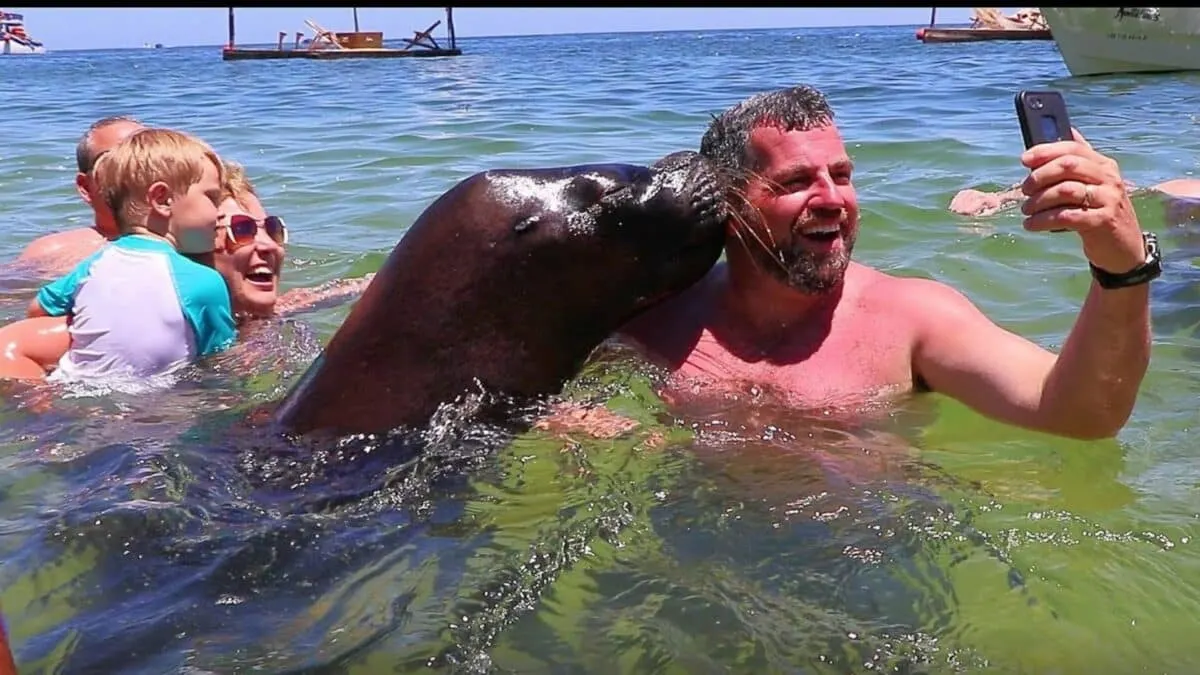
[(1144, 273)]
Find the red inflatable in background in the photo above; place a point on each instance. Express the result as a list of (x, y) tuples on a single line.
[(7, 665)]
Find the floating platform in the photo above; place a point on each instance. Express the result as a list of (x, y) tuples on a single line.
[(239, 54), (938, 35), (330, 45)]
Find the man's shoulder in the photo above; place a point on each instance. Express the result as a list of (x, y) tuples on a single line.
[(1180, 188), (79, 270), (55, 241), (683, 308), (62, 248), (914, 296)]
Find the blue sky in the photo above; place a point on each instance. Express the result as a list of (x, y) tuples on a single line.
[(98, 28)]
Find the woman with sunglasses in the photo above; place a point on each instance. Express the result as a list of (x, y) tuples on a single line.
[(249, 254)]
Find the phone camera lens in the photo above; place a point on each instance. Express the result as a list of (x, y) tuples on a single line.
[(1036, 104)]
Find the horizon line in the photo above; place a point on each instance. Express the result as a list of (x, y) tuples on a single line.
[(574, 33)]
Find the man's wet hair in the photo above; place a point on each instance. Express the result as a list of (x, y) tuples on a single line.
[(727, 141), (85, 159)]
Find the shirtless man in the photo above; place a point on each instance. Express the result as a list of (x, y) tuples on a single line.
[(56, 254), (789, 312)]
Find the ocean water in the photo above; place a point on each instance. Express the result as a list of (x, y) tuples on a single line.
[(163, 536)]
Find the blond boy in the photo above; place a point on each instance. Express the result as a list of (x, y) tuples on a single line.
[(139, 307)]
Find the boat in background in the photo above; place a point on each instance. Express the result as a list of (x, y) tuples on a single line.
[(1107, 40), (987, 24), (14, 39)]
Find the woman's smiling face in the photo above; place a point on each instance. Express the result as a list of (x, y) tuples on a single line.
[(250, 267)]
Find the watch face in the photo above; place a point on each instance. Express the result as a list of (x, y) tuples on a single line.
[(1146, 272), (1152, 250)]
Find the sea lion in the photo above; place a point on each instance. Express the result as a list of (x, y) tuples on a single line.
[(509, 281)]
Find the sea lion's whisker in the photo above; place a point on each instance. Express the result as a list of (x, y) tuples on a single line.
[(737, 179), (742, 228), (738, 205)]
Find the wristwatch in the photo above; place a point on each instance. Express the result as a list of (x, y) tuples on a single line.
[(1144, 273)]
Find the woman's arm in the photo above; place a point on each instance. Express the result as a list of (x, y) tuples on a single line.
[(328, 294)]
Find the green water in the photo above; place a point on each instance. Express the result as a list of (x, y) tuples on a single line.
[(133, 540)]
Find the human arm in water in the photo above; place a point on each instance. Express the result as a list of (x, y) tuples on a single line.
[(29, 348), (1089, 389), (34, 309), (299, 300), (57, 298), (972, 202)]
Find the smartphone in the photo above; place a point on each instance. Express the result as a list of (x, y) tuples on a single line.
[(1043, 117)]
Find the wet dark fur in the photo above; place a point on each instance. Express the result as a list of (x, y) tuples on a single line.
[(508, 282)]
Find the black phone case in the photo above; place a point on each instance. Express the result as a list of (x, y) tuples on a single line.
[(1043, 117)]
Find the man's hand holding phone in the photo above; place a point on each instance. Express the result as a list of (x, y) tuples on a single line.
[(1071, 186)]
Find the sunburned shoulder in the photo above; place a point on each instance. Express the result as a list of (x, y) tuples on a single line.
[(674, 312), (1180, 188), (919, 299), (59, 243)]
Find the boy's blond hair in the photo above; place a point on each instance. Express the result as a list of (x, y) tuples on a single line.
[(147, 156), (236, 183)]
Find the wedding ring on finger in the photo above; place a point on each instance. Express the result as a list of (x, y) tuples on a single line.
[(1087, 196)]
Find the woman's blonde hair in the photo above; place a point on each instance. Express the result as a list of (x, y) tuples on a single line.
[(125, 173), (236, 183)]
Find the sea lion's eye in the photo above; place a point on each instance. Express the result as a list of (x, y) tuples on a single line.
[(607, 186), (587, 191), (613, 188), (526, 224)]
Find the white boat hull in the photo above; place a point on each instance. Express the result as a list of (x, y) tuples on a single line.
[(11, 47), (1105, 40)]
